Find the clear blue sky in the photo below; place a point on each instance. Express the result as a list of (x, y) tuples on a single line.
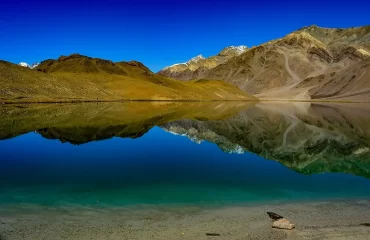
[(158, 32)]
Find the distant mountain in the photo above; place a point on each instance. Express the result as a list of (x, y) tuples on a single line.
[(81, 78), (310, 63), (76, 63), (24, 64), (199, 64), (34, 65)]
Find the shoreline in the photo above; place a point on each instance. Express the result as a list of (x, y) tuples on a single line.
[(10, 102), (2, 102), (314, 220)]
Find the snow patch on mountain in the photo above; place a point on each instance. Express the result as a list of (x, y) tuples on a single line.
[(33, 65), (227, 52), (24, 64), (240, 49), (193, 60), (233, 50), (197, 58)]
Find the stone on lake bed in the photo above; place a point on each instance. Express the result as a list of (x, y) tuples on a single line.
[(283, 224)]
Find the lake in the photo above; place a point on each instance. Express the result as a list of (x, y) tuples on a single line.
[(171, 154)]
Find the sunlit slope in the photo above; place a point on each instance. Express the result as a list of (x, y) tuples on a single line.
[(81, 78)]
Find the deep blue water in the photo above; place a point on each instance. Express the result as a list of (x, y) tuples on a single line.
[(157, 168)]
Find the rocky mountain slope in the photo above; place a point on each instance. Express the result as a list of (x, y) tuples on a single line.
[(311, 63), (81, 78), (199, 64)]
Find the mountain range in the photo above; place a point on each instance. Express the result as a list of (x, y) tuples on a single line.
[(76, 78), (308, 64), (312, 63)]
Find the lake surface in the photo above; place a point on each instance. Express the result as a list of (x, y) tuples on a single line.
[(204, 154)]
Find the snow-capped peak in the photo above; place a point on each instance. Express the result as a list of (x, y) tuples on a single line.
[(233, 50), (24, 64), (33, 65), (197, 58), (240, 49), (193, 60)]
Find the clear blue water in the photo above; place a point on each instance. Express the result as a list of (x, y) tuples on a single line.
[(157, 168)]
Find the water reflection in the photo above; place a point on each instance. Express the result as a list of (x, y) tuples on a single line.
[(306, 137)]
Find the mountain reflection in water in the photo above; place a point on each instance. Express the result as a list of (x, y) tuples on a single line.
[(306, 137)]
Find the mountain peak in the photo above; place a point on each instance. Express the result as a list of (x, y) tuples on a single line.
[(312, 27), (233, 50), (315, 27), (32, 66), (24, 64), (197, 58), (200, 62), (72, 56)]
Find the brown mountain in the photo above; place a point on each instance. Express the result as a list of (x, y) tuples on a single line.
[(81, 78), (198, 65), (311, 63)]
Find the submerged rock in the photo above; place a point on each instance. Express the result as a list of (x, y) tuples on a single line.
[(283, 224)]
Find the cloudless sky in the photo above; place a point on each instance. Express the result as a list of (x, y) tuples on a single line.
[(158, 32)]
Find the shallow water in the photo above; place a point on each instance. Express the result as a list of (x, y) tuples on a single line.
[(125, 154)]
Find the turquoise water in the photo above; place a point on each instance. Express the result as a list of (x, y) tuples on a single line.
[(218, 162), (172, 170)]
